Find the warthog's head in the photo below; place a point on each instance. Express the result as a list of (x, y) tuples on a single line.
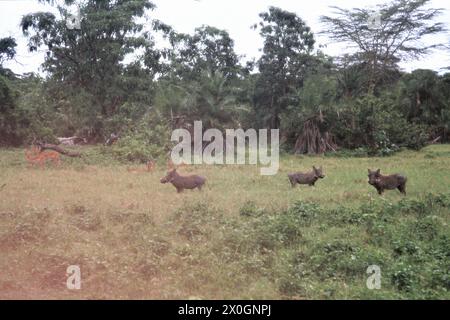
[(169, 176), (374, 176), (318, 172)]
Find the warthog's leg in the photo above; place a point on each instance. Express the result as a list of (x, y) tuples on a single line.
[(402, 188), (292, 181)]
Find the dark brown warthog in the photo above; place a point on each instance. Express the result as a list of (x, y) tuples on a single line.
[(183, 182), (308, 178), (381, 183)]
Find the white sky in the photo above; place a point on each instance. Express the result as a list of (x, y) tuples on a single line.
[(235, 16)]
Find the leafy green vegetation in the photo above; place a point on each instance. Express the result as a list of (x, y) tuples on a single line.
[(410, 246), (109, 76), (243, 236)]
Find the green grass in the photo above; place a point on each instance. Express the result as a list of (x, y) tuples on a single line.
[(243, 236)]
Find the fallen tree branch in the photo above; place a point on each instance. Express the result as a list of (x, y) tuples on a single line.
[(54, 147), (71, 141), (435, 140)]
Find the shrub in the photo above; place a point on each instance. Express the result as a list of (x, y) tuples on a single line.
[(249, 209), (285, 228), (197, 221), (304, 213), (149, 139), (384, 146), (337, 258), (405, 247), (289, 248), (426, 229), (404, 276)]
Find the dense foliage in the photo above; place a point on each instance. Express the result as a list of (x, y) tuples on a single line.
[(407, 240), (108, 76)]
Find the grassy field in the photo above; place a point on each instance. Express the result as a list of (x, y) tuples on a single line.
[(244, 236)]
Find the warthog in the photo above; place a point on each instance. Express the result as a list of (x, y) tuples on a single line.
[(381, 183), (308, 178), (183, 182)]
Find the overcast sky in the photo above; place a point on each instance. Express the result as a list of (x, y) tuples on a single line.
[(235, 16)]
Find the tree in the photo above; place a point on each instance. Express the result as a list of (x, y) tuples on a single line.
[(8, 95), (210, 98), (7, 49), (354, 79), (288, 44), (424, 99), (208, 49), (385, 35), (89, 77), (202, 81), (306, 125)]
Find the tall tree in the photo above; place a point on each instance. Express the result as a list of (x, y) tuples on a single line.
[(288, 44), (208, 49), (203, 79), (424, 99), (89, 60), (7, 93), (385, 35), (7, 49)]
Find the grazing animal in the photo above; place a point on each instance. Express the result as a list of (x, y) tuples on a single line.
[(37, 157), (381, 183), (308, 178), (183, 182)]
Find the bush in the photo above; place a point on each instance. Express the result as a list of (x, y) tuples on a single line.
[(290, 248), (375, 125), (384, 146), (426, 229), (331, 259), (249, 209), (196, 222), (404, 276), (285, 228), (149, 139), (25, 112), (303, 213), (407, 240)]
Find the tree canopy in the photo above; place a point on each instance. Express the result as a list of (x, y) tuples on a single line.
[(106, 72), (385, 35)]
